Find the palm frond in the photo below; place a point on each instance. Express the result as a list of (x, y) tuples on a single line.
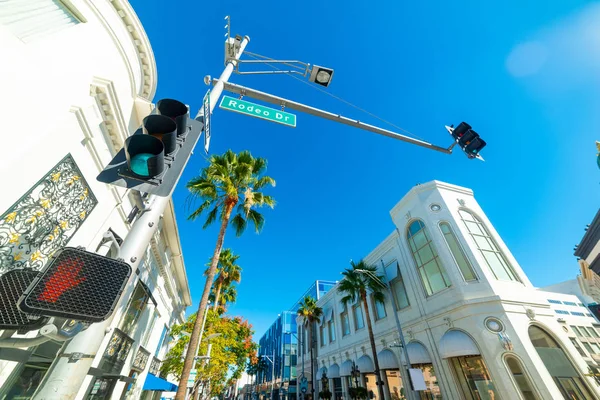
[(199, 210), (257, 219), (239, 224), (212, 216), (264, 181)]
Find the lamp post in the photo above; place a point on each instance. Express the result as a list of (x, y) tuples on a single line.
[(325, 384), (409, 392), (355, 373)]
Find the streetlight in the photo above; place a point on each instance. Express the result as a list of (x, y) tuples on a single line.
[(207, 358), (355, 373), (409, 392), (272, 371), (325, 384)]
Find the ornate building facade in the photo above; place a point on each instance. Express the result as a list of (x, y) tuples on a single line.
[(473, 323), (77, 78)]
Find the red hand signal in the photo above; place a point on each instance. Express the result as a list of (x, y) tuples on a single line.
[(63, 279)]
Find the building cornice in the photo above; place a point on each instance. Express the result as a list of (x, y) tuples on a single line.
[(590, 239), (424, 187)]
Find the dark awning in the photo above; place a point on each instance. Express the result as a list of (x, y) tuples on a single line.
[(158, 384)]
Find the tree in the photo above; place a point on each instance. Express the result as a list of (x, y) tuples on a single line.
[(228, 272), (358, 280), (229, 353), (311, 314), (230, 180), (228, 296)]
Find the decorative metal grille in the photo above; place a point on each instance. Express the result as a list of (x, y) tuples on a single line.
[(141, 359), (45, 218), (155, 366), (117, 351)]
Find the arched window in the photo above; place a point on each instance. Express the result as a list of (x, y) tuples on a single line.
[(521, 379), (566, 377), (432, 273), (457, 252), (488, 247)]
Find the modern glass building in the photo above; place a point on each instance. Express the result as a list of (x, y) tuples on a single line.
[(279, 347)]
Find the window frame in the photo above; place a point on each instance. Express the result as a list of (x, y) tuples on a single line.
[(344, 317), (421, 270), (398, 280), (491, 240), (362, 316), (460, 249), (525, 373), (374, 304), (331, 329)]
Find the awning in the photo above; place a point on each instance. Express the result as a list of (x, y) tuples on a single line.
[(387, 360), (365, 364), (457, 344), (346, 368), (158, 384), (417, 353), (320, 373), (333, 371)]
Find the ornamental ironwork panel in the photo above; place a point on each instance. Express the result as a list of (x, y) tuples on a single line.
[(141, 359), (116, 352), (155, 366), (45, 218)]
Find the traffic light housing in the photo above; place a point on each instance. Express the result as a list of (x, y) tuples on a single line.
[(468, 140), (12, 286), (153, 158), (76, 284)]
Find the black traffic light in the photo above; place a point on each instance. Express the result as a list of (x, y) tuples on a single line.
[(468, 140), (12, 286), (76, 284), (153, 158)]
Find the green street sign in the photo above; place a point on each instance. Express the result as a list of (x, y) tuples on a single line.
[(258, 111)]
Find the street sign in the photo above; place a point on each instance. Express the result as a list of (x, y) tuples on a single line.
[(192, 378), (258, 111), (206, 108)]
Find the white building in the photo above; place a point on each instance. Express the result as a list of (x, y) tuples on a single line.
[(472, 321), (77, 77)]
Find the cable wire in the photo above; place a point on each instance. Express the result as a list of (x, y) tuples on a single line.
[(258, 56)]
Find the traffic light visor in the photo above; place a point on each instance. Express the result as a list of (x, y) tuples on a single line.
[(163, 128), (175, 110), (145, 155), (460, 130)]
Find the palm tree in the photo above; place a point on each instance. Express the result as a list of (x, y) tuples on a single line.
[(311, 314), (228, 272), (230, 180), (359, 280), (228, 296)]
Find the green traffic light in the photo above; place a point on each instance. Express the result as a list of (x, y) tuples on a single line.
[(139, 164)]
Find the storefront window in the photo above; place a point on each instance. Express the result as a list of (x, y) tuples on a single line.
[(433, 391), (337, 388), (474, 378), (521, 379), (558, 365), (394, 382)]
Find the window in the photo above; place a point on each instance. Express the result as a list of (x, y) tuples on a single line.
[(522, 381), (345, 323), (457, 252), (379, 308), (488, 247), (474, 378), (566, 377), (357, 313), (578, 347), (584, 331), (576, 330), (569, 303), (589, 315), (593, 332), (136, 306), (331, 326), (555, 301), (432, 273), (580, 304), (579, 314), (399, 290), (29, 19), (562, 312), (323, 335), (595, 347)]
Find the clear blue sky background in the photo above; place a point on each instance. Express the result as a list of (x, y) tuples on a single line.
[(524, 75)]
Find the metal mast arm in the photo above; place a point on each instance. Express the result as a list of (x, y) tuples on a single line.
[(280, 101)]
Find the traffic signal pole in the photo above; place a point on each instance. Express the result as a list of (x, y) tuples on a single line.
[(65, 378)]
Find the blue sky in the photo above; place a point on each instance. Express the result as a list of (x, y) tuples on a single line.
[(524, 75)]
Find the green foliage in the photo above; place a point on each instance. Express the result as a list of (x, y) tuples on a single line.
[(358, 393), (360, 279), (232, 179), (229, 354), (309, 311), (325, 394)]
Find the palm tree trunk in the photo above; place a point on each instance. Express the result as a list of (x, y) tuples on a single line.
[(313, 371), (218, 294), (378, 380), (193, 345)]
